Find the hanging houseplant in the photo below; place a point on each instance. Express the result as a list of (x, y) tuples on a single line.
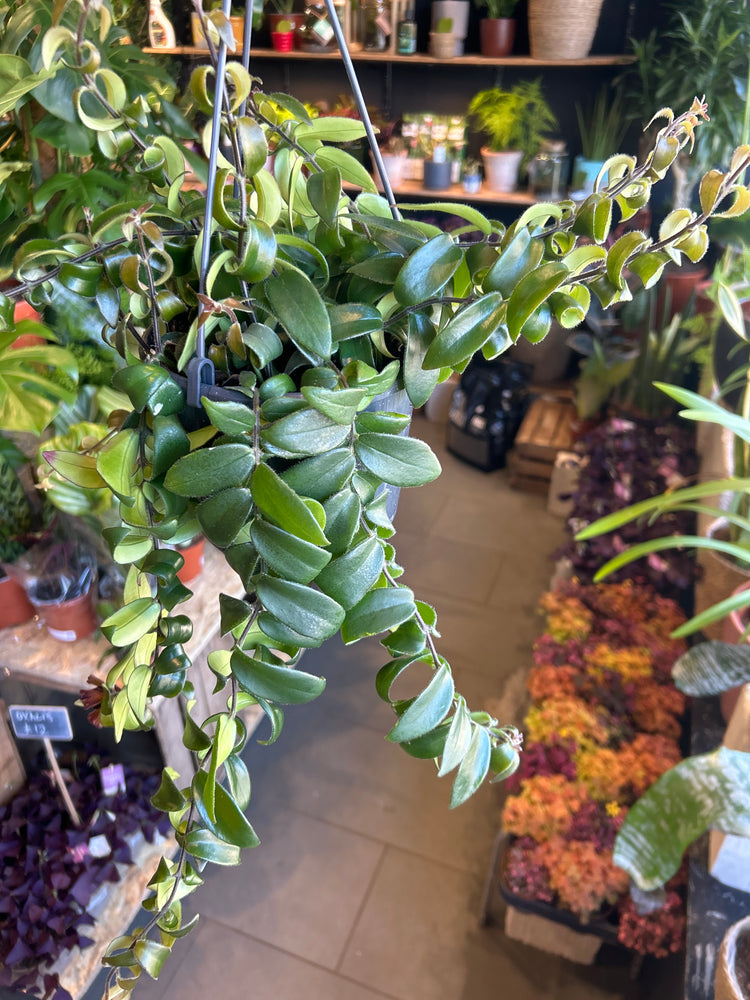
[(260, 322)]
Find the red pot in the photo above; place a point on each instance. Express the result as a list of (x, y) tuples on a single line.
[(282, 41), (15, 607), (70, 620), (193, 565), (496, 36)]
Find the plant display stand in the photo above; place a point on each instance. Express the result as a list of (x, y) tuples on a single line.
[(529, 928), (28, 653), (545, 431)]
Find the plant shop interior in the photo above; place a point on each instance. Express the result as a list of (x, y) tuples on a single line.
[(374, 499)]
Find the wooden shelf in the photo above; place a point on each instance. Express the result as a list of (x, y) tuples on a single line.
[(415, 189), (419, 59)]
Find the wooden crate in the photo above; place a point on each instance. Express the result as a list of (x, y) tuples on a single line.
[(546, 430)]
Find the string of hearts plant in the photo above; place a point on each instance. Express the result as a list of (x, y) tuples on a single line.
[(258, 322)]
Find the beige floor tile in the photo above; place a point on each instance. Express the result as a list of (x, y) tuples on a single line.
[(300, 890), (225, 963), (357, 780), (446, 566), (423, 951)]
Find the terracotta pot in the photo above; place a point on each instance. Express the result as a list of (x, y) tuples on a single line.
[(193, 565), (70, 620), (732, 980), (496, 36), (15, 607), (677, 287), (238, 30)]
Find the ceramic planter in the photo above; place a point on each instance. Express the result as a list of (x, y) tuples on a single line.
[(437, 175), (15, 607), (501, 169), (458, 12), (584, 175), (394, 168), (733, 966), (496, 36)]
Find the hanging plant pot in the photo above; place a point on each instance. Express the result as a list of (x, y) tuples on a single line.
[(501, 169), (15, 607), (496, 36), (733, 966), (560, 30)]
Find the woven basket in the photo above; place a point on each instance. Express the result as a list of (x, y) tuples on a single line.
[(561, 29), (727, 987)]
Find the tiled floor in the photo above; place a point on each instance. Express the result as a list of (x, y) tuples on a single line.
[(366, 886)]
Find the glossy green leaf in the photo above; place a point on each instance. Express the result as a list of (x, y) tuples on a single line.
[(282, 685), (397, 460), (531, 292), (348, 578), (324, 192), (321, 476), (206, 846), (427, 270), (342, 518), (78, 469), (209, 470), (339, 405), (619, 254), (234, 613), (238, 778), (149, 387), (458, 740), (649, 267), (519, 257), (305, 432), (229, 822), (700, 792), (223, 515), (427, 710), (473, 768), (307, 611), (352, 171), (594, 218), (194, 738), (301, 311), (287, 555), (429, 746), (129, 623), (168, 796), (229, 417), (467, 331), (116, 461), (418, 380), (278, 503), (137, 689), (170, 443), (378, 611), (151, 955)]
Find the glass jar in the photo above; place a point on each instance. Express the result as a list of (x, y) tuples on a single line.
[(376, 17), (548, 170), (316, 33)]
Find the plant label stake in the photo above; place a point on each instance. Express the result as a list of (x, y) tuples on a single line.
[(46, 723)]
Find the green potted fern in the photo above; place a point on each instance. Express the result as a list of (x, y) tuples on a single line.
[(275, 332), (514, 122)]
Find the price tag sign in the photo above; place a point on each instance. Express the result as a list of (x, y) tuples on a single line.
[(40, 722)]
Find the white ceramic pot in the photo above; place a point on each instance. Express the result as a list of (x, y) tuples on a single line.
[(501, 169), (394, 168), (458, 12)]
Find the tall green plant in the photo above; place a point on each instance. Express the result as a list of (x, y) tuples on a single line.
[(602, 124), (498, 8), (514, 119), (258, 321)]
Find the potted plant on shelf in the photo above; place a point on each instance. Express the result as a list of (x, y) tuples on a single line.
[(560, 30), (277, 11), (515, 122), (497, 31), (457, 12), (261, 322), (442, 39), (282, 35), (602, 128), (15, 527)]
